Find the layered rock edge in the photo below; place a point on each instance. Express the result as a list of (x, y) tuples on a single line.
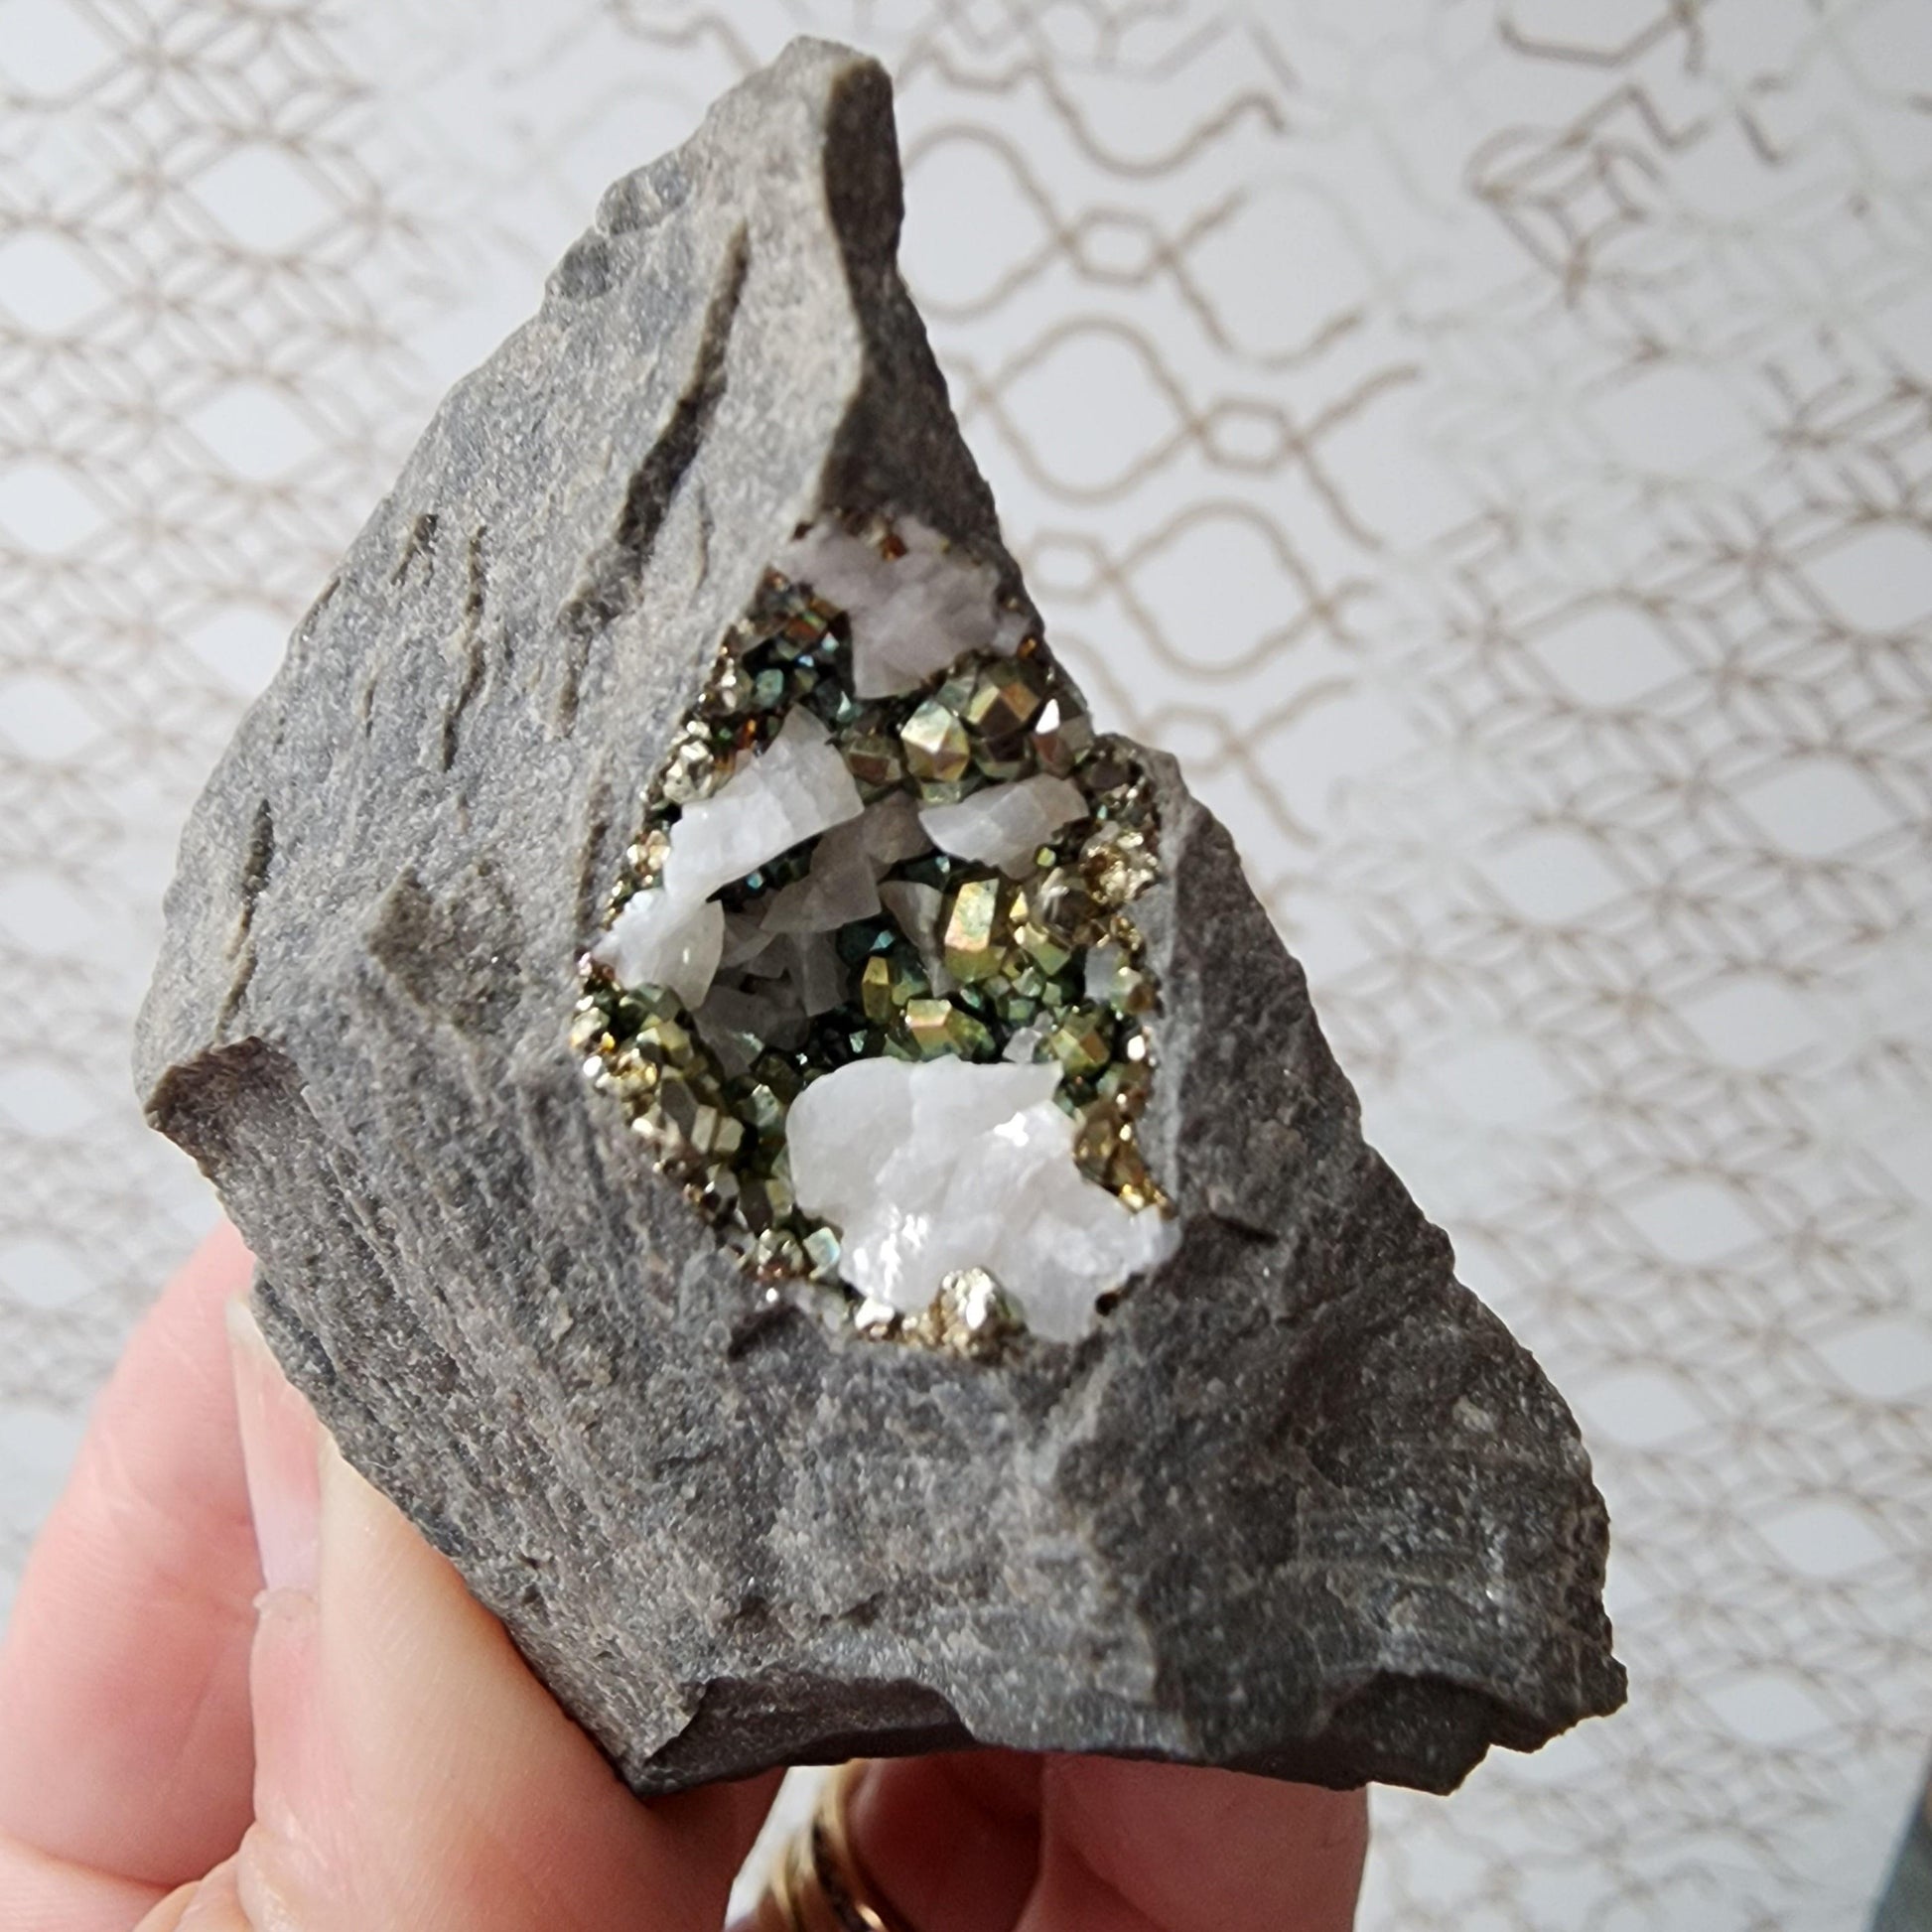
[(1301, 1506)]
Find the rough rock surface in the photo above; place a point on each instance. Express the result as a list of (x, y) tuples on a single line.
[(1303, 1506)]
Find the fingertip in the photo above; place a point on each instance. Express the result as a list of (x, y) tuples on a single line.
[(220, 1269), (297, 1780), (210, 1904), (224, 1255), (280, 1445)]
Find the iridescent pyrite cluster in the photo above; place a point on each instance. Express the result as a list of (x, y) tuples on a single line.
[(975, 907)]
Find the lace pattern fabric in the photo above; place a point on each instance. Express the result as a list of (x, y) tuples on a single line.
[(1490, 444)]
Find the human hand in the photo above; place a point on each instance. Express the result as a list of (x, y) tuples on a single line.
[(358, 1747)]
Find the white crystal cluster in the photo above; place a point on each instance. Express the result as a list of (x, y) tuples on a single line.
[(911, 615), (673, 932), (929, 1167), (1005, 825)]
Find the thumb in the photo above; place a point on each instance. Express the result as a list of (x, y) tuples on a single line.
[(410, 1770)]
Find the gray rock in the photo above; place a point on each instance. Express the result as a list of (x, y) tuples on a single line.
[(1301, 1506)]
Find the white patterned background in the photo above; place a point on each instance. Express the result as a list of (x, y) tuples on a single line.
[(1489, 441)]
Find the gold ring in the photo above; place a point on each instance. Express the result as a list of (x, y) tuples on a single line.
[(819, 1883)]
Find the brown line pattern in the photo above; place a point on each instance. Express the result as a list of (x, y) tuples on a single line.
[(1539, 395)]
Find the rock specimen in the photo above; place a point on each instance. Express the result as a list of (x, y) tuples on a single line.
[(803, 1168)]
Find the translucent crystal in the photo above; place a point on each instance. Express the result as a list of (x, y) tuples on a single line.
[(1024, 1043), (930, 1166), (771, 1011), (911, 614), (673, 933), (839, 889), (1065, 909), (732, 1047), (815, 971), (1006, 825), (893, 831), (917, 908), (662, 938), (746, 938), (1103, 968), (795, 789), (1112, 981)]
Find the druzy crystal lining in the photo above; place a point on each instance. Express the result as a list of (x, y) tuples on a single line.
[(888, 833)]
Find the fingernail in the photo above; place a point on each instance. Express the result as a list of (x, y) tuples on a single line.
[(279, 1441)]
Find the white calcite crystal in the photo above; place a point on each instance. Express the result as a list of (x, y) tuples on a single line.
[(913, 614), (916, 909), (1102, 974), (1006, 825), (930, 1166), (816, 974), (665, 939), (840, 886), (892, 830), (795, 789), (1025, 1045), (673, 932)]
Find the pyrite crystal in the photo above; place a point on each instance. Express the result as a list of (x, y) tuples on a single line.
[(670, 817)]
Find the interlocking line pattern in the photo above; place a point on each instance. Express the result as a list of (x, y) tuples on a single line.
[(1488, 441)]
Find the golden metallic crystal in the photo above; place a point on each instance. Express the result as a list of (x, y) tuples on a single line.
[(935, 743), (1117, 862), (969, 941), (873, 758), (693, 769), (1061, 734), (1045, 951), (1065, 907), (875, 989), (925, 1021), (972, 1314), (1082, 1041)]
